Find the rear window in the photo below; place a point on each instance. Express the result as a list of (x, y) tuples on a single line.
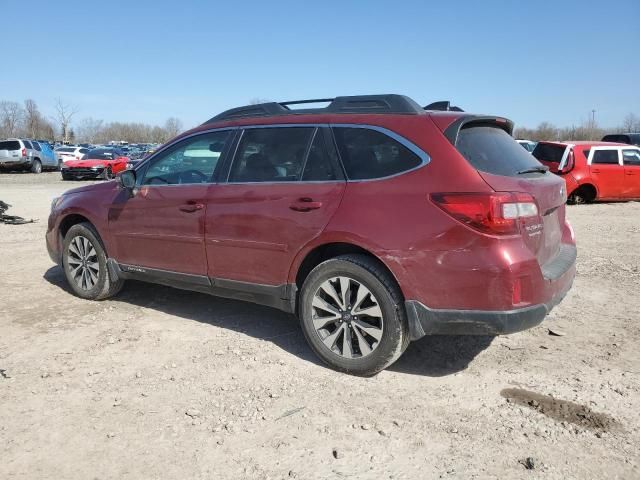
[(10, 145), (549, 152), (492, 150), (65, 150)]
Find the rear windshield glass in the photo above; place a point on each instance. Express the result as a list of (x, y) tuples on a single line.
[(102, 154), (10, 145), (492, 150), (65, 150), (549, 152)]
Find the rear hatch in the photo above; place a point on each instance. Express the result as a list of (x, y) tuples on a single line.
[(553, 155), (10, 150), (507, 167)]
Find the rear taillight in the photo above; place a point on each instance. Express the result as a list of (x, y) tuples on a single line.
[(494, 213), (24, 152), (568, 166)]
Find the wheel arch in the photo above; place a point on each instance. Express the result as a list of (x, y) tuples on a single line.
[(313, 256), (587, 187), (75, 218)]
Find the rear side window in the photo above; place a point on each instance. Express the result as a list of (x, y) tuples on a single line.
[(10, 145), (549, 152), (492, 150), (605, 157), (27, 144), (271, 154), (36, 145), (368, 154)]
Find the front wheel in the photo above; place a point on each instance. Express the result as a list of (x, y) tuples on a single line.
[(353, 315), (85, 264), (108, 174)]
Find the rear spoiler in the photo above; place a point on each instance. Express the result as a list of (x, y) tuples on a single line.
[(453, 130)]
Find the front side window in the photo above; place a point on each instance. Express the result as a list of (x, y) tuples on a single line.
[(368, 153), (190, 161), (631, 157), (271, 154), (605, 157)]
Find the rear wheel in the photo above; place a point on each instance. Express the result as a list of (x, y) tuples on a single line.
[(84, 261), (108, 174), (353, 316), (36, 166)]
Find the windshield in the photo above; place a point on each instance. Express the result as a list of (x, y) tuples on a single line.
[(492, 150), (102, 154)]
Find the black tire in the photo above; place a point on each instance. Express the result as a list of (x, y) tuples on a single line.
[(104, 286), (108, 173), (36, 166), (395, 331)]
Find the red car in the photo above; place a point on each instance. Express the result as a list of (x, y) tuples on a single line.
[(594, 170), (374, 220), (98, 163)]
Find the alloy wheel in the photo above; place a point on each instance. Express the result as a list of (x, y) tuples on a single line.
[(347, 317), (83, 263)]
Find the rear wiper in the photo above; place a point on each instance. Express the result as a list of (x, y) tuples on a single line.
[(540, 169)]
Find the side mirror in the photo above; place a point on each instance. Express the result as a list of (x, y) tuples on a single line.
[(127, 179)]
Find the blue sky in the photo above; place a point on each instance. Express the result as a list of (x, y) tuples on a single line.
[(148, 60)]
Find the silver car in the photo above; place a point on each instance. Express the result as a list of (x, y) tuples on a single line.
[(23, 154)]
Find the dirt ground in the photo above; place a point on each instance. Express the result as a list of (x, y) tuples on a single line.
[(162, 383)]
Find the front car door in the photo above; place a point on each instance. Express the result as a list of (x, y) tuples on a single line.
[(605, 165), (631, 162), (281, 191), (162, 225)]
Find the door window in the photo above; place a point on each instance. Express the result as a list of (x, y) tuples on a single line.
[(318, 167), (605, 157), (368, 153), (631, 157), (36, 145), (191, 161), (271, 154)]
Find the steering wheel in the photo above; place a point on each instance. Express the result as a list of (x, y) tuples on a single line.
[(193, 173)]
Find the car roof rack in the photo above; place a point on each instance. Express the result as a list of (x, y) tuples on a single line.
[(383, 104), (443, 106)]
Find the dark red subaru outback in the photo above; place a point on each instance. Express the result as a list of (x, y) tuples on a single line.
[(374, 220)]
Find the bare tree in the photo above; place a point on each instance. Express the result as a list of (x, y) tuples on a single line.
[(89, 130), (11, 115), (172, 127), (64, 114), (630, 123), (32, 118)]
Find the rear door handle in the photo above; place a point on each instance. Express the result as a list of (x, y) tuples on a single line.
[(305, 204), (191, 207)]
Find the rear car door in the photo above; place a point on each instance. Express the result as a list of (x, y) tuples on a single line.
[(607, 172), (161, 226), (631, 162), (281, 192)]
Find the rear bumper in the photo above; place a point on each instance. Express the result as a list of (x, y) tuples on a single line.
[(558, 280), (15, 162)]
